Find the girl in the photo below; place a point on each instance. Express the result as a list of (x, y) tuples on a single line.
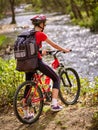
[(39, 23)]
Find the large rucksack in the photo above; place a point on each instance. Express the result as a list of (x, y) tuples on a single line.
[(26, 51)]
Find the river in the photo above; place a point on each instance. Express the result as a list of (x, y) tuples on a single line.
[(84, 44)]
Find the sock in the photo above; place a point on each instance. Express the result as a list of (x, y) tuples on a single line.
[(26, 111), (54, 102)]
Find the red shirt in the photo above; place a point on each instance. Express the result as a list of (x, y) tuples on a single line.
[(40, 36)]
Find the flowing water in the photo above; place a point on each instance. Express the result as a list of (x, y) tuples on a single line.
[(84, 44)]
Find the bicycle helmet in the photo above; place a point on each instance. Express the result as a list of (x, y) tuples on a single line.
[(36, 20)]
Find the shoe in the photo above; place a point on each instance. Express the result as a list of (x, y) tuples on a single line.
[(56, 108), (29, 116), (27, 113)]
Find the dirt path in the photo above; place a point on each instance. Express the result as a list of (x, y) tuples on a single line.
[(70, 118)]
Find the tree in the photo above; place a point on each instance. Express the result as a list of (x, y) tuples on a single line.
[(12, 4), (86, 6), (75, 9)]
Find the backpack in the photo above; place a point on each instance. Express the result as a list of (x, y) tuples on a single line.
[(26, 51)]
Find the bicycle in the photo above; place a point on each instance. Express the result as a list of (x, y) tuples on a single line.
[(40, 90)]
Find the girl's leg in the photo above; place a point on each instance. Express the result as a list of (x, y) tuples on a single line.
[(28, 77), (27, 114), (48, 71), (56, 83)]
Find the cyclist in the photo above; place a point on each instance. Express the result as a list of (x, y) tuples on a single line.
[(39, 22)]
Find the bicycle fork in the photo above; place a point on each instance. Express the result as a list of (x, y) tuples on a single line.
[(69, 82)]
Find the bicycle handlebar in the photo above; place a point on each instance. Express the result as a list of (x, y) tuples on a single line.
[(54, 52)]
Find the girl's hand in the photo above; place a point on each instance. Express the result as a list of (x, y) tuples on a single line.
[(67, 50), (44, 52)]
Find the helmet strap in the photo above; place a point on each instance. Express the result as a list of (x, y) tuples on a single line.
[(41, 27)]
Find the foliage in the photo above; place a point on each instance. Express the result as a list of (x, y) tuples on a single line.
[(4, 41), (9, 80), (94, 121), (95, 20), (89, 92), (83, 23)]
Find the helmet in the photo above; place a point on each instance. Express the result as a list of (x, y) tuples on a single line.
[(36, 20)]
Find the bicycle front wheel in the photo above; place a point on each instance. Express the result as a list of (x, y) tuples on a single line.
[(33, 102), (70, 86)]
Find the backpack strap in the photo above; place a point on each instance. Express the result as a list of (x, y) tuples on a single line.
[(32, 33)]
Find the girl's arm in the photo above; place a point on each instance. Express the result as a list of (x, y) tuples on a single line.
[(54, 45)]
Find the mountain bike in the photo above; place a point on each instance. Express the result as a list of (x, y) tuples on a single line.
[(40, 90)]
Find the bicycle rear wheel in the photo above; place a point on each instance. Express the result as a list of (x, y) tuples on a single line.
[(70, 86), (33, 102)]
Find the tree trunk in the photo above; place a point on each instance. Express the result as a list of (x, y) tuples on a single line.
[(75, 9), (12, 4), (45, 4), (86, 8), (60, 5)]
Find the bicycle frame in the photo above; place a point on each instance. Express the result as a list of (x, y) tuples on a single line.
[(38, 81)]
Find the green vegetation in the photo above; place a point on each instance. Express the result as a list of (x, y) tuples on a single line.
[(94, 121), (4, 41), (9, 80), (83, 23), (89, 92), (95, 20)]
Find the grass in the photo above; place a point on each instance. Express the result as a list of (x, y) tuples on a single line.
[(4, 41), (94, 121)]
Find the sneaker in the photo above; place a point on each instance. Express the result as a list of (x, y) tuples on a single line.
[(27, 113), (56, 108), (29, 116)]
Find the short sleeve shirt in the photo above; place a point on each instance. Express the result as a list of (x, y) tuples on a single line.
[(40, 36)]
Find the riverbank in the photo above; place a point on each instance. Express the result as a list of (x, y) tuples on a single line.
[(8, 28), (70, 118)]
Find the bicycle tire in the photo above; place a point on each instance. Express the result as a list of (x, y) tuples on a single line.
[(69, 95), (37, 106)]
